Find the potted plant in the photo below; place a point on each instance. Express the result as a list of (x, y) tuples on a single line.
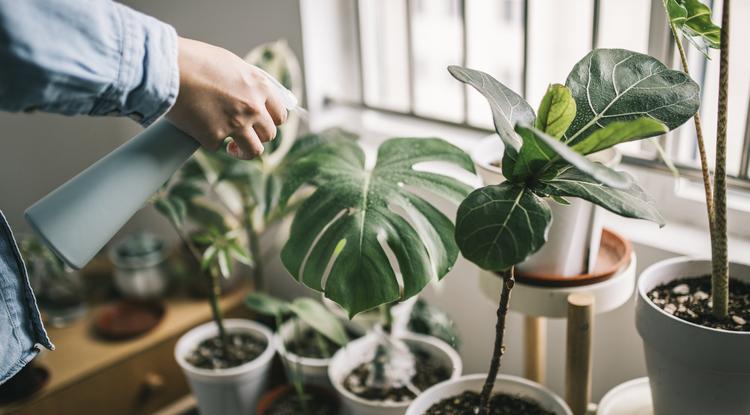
[(140, 271), (611, 96), (305, 342), (692, 313), (59, 290), (340, 241)]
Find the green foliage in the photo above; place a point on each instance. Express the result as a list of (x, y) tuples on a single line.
[(338, 235), (556, 112), (308, 310), (693, 19), (611, 96), (432, 321)]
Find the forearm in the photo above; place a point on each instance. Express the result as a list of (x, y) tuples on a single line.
[(86, 57)]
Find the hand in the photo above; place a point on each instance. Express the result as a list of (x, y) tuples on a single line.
[(221, 96)]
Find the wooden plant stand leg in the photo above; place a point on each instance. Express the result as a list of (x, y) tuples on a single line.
[(535, 341), (578, 352)]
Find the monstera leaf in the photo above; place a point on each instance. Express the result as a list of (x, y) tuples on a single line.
[(612, 85), (339, 235), (499, 226)]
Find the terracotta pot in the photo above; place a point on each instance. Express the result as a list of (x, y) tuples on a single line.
[(282, 391), (692, 369)]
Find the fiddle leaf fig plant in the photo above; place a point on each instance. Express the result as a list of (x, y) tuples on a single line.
[(693, 19), (341, 234), (611, 96)]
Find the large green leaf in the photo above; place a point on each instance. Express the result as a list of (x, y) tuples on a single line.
[(541, 155), (499, 226), (320, 319), (620, 132), (693, 19), (556, 111), (340, 227), (508, 108), (631, 202), (619, 85)]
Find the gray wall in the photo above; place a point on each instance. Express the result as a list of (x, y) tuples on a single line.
[(38, 152)]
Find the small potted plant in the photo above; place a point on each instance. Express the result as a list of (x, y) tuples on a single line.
[(339, 244), (692, 313), (60, 291), (611, 96), (305, 342), (140, 272)]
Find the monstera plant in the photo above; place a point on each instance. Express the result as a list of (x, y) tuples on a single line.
[(342, 235), (611, 96)]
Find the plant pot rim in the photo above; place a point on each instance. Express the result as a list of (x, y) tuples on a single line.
[(199, 333), (480, 377), (444, 347), (271, 396), (643, 293), (293, 357)]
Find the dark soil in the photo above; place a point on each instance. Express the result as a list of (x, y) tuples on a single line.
[(467, 403), (690, 299), (310, 346), (290, 404), (428, 373), (241, 348)]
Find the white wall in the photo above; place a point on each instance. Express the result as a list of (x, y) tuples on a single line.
[(39, 152)]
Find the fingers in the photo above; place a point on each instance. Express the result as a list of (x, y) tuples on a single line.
[(264, 127), (276, 110), (245, 144)]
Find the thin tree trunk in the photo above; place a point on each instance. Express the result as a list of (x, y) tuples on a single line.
[(497, 353), (705, 170), (720, 271)]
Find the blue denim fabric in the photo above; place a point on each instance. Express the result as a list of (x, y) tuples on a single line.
[(22, 334), (92, 57)]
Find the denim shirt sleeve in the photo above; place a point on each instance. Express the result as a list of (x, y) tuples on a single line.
[(92, 57), (22, 334)]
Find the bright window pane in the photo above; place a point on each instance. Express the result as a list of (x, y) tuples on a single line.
[(739, 91), (495, 46), (559, 36), (384, 55), (437, 42)]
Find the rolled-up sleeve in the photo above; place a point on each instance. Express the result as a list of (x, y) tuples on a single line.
[(92, 57)]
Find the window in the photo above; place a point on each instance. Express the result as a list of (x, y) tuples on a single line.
[(405, 46)]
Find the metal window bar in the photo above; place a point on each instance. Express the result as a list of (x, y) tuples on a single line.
[(661, 45)]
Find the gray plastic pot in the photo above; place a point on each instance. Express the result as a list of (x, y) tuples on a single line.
[(232, 391), (693, 370), (351, 356), (505, 383)]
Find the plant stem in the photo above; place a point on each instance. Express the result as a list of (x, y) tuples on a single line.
[(253, 241), (497, 353), (387, 317), (214, 292), (720, 271), (296, 375), (705, 170)]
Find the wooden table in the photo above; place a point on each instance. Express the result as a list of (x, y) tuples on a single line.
[(138, 376)]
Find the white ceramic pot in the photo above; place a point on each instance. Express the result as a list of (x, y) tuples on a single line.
[(693, 370), (629, 398), (576, 228), (314, 370), (351, 356), (233, 391), (512, 385)]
